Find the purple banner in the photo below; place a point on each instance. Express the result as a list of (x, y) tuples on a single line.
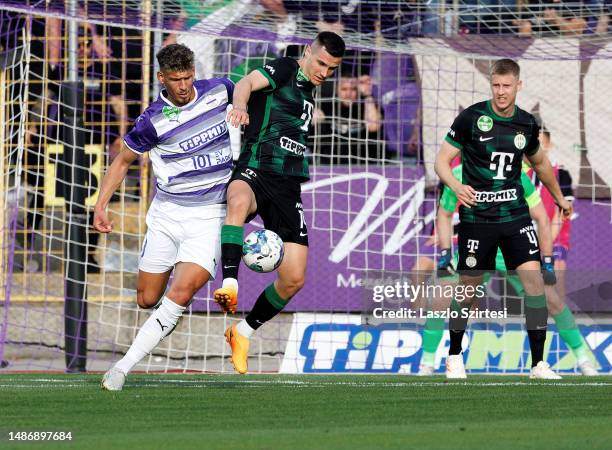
[(376, 219)]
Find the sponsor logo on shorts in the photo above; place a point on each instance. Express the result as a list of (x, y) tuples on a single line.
[(471, 261), (204, 137), (499, 196), (248, 174), (472, 245), (291, 146)]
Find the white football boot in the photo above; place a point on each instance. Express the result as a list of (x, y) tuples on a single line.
[(543, 372), (425, 370), (113, 380), (455, 369), (587, 369)]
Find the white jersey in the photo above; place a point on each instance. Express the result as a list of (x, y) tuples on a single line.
[(189, 145)]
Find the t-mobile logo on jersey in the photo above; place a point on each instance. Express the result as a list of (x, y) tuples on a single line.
[(472, 245), (501, 165)]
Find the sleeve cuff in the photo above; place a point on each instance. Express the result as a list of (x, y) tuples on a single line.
[(134, 150), (268, 77), (452, 142)]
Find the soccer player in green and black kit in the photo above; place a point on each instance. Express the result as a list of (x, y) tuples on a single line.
[(275, 103), (493, 137)]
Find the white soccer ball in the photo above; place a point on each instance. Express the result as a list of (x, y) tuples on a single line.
[(263, 251)]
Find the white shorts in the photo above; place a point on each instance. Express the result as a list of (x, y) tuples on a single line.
[(178, 233)]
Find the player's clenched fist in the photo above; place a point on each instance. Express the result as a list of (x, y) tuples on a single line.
[(466, 195), (566, 208), (101, 222), (238, 116)]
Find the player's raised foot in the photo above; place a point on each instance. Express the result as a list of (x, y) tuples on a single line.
[(425, 370), (227, 298), (542, 371), (113, 380), (240, 349), (455, 369), (587, 369)]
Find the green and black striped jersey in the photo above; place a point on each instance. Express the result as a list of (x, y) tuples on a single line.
[(279, 121), (492, 149)]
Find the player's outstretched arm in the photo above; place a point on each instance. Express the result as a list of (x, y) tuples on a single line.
[(465, 194), (112, 180), (254, 81), (545, 173)]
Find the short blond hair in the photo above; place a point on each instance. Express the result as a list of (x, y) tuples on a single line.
[(506, 66)]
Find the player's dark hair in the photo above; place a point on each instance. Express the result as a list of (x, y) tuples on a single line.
[(175, 58), (506, 66), (333, 43)]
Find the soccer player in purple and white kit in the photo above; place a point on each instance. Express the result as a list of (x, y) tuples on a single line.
[(186, 135)]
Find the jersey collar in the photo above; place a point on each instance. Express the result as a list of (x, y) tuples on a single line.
[(496, 117)]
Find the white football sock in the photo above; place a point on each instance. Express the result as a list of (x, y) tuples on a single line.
[(230, 282), (158, 326), (244, 329)]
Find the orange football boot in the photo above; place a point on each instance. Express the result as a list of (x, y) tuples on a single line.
[(240, 349)]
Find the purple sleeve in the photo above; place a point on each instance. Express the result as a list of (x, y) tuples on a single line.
[(229, 85), (142, 137)]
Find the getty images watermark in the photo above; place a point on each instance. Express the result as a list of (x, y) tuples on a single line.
[(402, 298)]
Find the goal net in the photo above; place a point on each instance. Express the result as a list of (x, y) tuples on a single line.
[(370, 204)]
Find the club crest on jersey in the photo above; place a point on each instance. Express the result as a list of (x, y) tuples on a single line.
[(484, 123), (520, 141), (171, 113)]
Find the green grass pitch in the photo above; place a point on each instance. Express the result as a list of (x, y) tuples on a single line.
[(317, 412)]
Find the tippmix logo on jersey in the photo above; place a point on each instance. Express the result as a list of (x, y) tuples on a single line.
[(209, 134), (171, 113), (484, 123)]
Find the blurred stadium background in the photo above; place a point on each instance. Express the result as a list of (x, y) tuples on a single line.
[(75, 75)]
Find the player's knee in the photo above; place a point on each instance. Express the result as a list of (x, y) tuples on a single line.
[(182, 294), (292, 285), (146, 299), (238, 202)]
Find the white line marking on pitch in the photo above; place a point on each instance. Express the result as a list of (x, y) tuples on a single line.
[(154, 382)]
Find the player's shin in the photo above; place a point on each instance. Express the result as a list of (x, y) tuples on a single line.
[(456, 326), (232, 238), (159, 325), (536, 316), (569, 332), (432, 335), (268, 304)]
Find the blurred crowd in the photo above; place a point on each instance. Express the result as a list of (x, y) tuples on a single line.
[(369, 112)]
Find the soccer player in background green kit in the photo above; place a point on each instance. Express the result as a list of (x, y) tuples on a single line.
[(276, 105), (492, 137), (568, 330)]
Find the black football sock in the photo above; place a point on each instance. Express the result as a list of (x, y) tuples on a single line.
[(456, 327), (231, 250), (268, 305), (536, 316)]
